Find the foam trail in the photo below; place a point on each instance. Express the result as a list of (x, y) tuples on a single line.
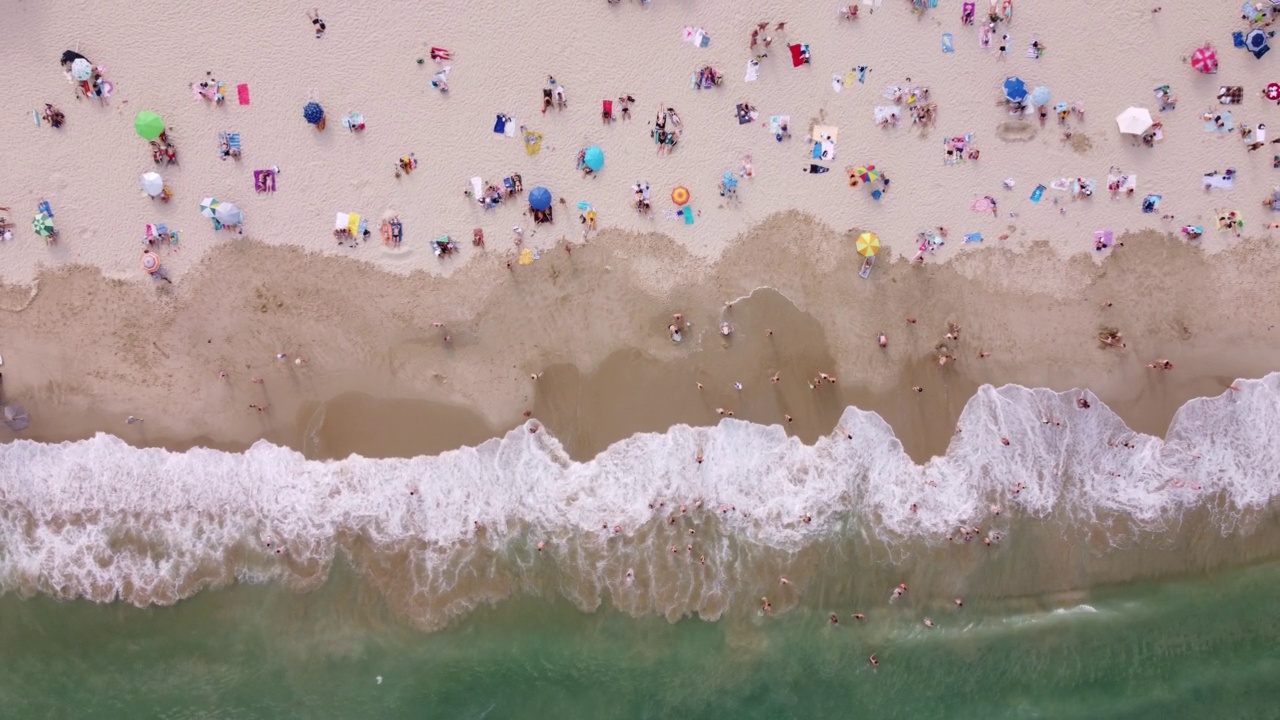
[(102, 520)]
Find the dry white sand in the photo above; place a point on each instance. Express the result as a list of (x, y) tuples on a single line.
[(1109, 55)]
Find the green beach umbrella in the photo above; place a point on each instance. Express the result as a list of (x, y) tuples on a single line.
[(148, 124), (42, 224)]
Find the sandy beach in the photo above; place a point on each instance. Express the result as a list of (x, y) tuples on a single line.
[(433, 418)]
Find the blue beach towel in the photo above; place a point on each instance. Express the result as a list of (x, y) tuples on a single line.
[(973, 237), (1037, 193), (948, 43)]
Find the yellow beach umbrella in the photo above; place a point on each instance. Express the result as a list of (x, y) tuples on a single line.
[(868, 244)]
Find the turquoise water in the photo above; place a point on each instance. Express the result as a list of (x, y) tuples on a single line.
[(1189, 647)]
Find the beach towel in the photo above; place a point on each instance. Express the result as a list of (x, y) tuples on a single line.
[(701, 38), (1150, 203), (744, 115), (264, 181), (837, 82), (982, 204), (1037, 193), (1237, 37), (1219, 180), (477, 188), (242, 93), (817, 169), (1118, 182), (500, 124), (753, 71), (948, 43), (1102, 239), (776, 124), (1211, 122), (43, 207), (532, 142), (867, 264), (1230, 94), (687, 213), (341, 220), (973, 237), (884, 113), (799, 55)]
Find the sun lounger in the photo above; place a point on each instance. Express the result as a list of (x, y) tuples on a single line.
[(867, 264)]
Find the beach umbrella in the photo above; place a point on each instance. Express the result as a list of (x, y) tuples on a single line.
[(1205, 60), (680, 195), (313, 113), (1014, 89), (1273, 91), (540, 198), (148, 124), (81, 69), (867, 173), (593, 158), (42, 224), (152, 183), (16, 417), (1256, 40), (1040, 96), (1134, 121), (70, 56), (868, 244), (150, 262), (208, 206), (228, 214)]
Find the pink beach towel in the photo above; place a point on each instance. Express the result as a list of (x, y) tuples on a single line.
[(242, 90)]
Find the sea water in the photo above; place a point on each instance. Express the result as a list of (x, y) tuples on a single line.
[(418, 587), (643, 526)]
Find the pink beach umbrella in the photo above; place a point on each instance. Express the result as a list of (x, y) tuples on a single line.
[(150, 262), (1205, 59)]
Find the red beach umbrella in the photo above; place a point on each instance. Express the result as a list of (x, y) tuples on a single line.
[(1273, 92), (1205, 60)]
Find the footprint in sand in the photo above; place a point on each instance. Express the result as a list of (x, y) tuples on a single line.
[(1015, 131), (1081, 143)]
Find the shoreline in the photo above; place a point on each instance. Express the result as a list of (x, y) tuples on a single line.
[(593, 328)]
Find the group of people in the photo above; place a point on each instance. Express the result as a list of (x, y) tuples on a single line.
[(163, 151), (666, 130)]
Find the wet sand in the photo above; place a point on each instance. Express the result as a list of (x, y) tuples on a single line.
[(85, 352)]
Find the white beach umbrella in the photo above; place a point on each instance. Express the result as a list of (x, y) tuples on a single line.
[(228, 214), (1134, 121), (152, 183), (81, 69)]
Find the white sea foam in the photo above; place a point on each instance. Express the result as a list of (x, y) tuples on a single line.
[(103, 520)]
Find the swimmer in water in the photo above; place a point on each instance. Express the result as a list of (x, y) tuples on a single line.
[(929, 623), (834, 620), (631, 576), (859, 616), (959, 602), (874, 661)]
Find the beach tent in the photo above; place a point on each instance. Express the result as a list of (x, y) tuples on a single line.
[(540, 198), (1134, 121), (1014, 89)]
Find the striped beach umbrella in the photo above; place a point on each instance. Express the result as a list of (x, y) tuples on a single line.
[(868, 243), (150, 262), (42, 224), (680, 195), (1205, 60), (208, 207)]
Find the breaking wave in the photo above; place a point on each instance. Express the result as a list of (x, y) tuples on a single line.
[(642, 524)]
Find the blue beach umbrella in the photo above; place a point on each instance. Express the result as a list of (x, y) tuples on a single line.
[(313, 113), (1014, 89), (1255, 40), (1040, 96), (539, 198), (594, 158)]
